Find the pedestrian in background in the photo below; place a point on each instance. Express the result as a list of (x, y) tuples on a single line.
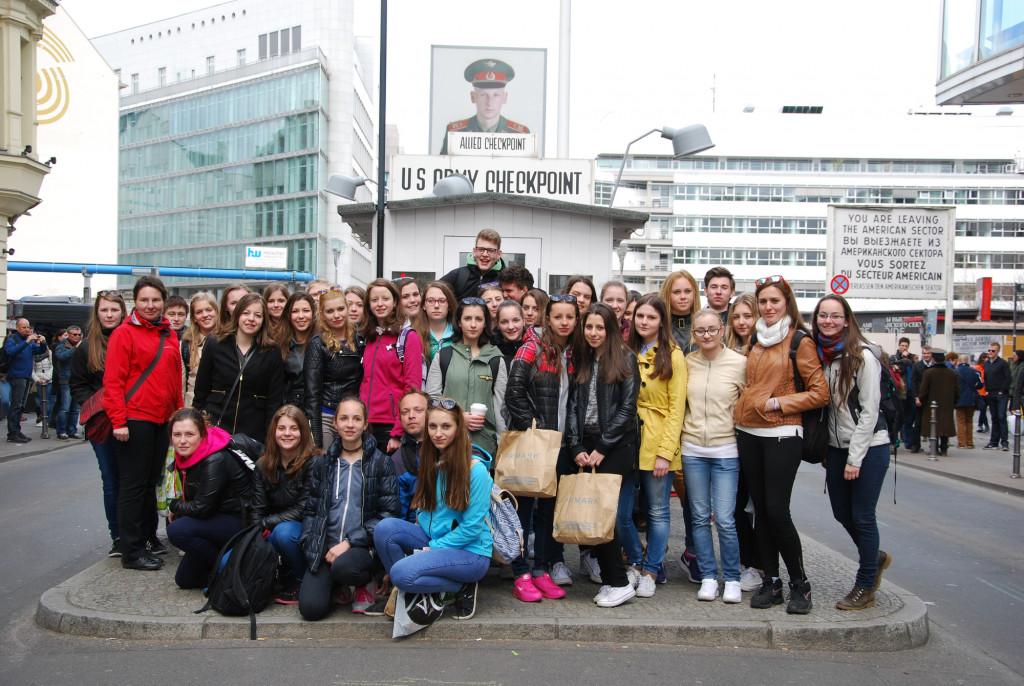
[(997, 390), (67, 411), (941, 385), (970, 382), (21, 346)]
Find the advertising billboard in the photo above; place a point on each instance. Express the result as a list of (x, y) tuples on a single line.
[(486, 89)]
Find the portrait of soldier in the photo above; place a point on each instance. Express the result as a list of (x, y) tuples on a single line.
[(489, 78)]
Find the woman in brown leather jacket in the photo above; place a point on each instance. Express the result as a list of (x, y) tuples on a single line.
[(769, 436)]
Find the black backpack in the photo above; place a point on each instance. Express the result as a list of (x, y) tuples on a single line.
[(815, 422), (243, 583), (890, 407)]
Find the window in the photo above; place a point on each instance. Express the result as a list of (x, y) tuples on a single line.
[(296, 38), (273, 44), (209, 65), (161, 76), (263, 46), (241, 57), (285, 40), (135, 83)]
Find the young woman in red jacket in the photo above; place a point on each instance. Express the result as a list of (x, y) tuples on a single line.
[(141, 390), (392, 363)]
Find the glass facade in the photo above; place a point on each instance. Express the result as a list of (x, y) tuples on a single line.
[(204, 175), (974, 30), (817, 166)]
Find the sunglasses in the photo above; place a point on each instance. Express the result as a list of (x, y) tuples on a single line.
[(771, 279), (562, 298), (492, 284), (110, 294), (320, 291), (473, 301), (443, 403)]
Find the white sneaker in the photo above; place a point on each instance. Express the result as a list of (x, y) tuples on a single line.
[(590, 567), (645, 587), (708, 590), (733, 593), (750, 580), (604, 590), (560, 574), (616, 596), (633, 575)]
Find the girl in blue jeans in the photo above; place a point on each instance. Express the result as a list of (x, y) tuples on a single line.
[(449, 549), (280, 491), (716, 375), (858, 439)]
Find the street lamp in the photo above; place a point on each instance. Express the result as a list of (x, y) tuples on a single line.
[(686, 141), (345, 186)]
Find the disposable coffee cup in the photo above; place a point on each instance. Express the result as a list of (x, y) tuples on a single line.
[(478, 408)]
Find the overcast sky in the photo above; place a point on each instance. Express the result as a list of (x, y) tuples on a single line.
[(647, 63)]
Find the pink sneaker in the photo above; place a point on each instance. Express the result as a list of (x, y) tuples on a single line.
[(547, 587), (343, 595), (524, 590), (363, 598)]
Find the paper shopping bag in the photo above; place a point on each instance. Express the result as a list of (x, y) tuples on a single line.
[(586, 507), (526, 460)]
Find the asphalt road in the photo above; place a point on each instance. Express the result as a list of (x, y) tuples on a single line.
[(941, 533)]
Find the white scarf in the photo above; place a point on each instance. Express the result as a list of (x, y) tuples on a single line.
[(768, 336)]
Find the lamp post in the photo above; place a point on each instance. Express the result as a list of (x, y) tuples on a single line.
[(686, 141)]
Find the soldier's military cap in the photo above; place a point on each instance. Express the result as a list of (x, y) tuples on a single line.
[(489, 73)]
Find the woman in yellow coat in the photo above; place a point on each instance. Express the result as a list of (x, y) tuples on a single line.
[(660, 406)]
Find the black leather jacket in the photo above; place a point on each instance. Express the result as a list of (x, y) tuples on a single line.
[(220, 483), (283, 501), (329, 377), (532, 392), (616, 411), (380, 499), (294, 379), (681, 324)]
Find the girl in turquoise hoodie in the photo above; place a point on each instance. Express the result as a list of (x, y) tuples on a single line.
[(451, 537)]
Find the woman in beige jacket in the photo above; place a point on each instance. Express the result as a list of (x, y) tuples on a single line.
[(715, 376), (769, 437)]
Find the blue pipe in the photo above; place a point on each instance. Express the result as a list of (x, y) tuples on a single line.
[(127, 270)]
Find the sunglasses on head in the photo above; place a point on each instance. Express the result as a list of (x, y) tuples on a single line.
[(569, 298), (110, 294), (492, 284), (473, 301), (771, 279), (443, 403)]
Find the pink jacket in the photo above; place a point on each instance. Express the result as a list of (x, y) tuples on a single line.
[(385, 378)]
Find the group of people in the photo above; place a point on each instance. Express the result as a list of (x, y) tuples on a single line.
[(991, 386), (29, 361), (357, 426)]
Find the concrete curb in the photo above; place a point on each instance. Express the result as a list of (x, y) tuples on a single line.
[(905, 628), (1011, 487)]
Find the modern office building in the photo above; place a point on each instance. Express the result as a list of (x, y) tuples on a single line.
[(757, 202), (982, 57), (231, 119)]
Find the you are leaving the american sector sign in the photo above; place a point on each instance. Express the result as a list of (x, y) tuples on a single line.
[(890, 252)]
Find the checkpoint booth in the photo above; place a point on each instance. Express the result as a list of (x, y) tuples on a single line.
[(426, 238)]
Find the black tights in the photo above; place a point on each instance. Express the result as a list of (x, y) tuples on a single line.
[(769, 465)]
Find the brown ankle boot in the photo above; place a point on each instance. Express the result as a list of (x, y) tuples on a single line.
[(857, 599)]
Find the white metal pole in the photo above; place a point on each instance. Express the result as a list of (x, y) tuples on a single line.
[(564, 44)]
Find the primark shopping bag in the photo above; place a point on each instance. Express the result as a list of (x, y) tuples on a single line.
[(526, 460), (586, 507)]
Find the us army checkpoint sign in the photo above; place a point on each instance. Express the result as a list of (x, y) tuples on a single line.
[(890, 251)]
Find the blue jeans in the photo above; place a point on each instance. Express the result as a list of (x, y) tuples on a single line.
[(67, 414), (285, 539), (431, 571), (997, 403), (909, 431), (711, 487), (853, 504), (659, 494), (19, 387), (106, 457), (5, 397)]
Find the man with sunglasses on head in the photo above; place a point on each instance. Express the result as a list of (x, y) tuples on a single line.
[(482, 266)]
